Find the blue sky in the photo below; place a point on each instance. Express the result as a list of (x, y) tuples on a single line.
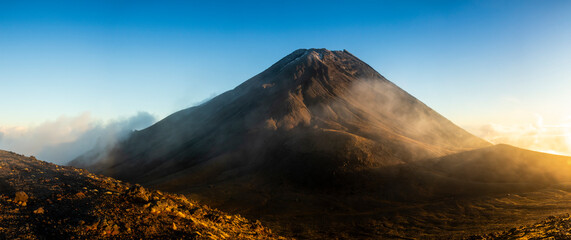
[(493, 67)]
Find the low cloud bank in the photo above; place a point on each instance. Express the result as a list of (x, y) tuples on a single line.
[(535, 135), (61, 140)]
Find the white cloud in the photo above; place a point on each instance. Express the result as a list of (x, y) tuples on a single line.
[(65, 138)]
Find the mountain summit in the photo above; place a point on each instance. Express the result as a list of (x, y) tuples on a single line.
[(314, 117), (320, 145)]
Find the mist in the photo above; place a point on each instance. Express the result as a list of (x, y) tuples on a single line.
[(391, 107), (65, 138), (535, 135)]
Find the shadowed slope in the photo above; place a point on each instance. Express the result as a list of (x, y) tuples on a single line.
[(491, 170), (505, 164)]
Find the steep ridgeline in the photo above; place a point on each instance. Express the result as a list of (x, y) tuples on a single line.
[(314, 118)]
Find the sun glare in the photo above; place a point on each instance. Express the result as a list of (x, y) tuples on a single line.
[(568, 138), (552, 137)]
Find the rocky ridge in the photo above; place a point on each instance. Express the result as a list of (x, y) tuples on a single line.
[(40, 200)]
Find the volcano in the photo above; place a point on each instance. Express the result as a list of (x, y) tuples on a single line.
[(315, 117), (320, 145)]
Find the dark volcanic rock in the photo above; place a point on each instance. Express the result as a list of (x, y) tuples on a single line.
[(21, 197), (55, 202), (554, 227), (138, 194)]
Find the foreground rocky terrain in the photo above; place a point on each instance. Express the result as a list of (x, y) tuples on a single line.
[(554, 227), (40, 200)]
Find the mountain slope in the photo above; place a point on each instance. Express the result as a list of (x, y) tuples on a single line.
[(40, 200), (504, 164), (497, 169), (313, 118), (321, 146)]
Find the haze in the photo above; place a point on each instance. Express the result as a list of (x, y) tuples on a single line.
[(500, 69)]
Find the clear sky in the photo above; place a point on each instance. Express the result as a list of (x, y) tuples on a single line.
[(501, 69)]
